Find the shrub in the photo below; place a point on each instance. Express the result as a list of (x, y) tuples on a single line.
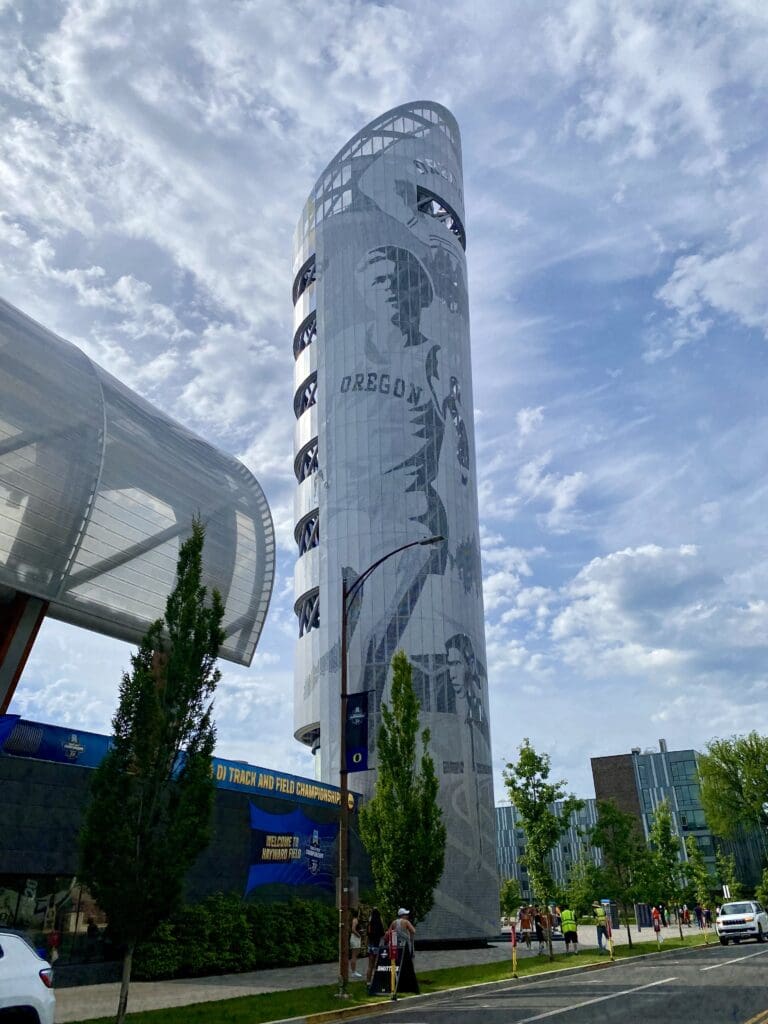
[(223, 935)]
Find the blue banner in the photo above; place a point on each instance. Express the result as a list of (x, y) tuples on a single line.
[(357, 732), (51, 742), (290, 849)]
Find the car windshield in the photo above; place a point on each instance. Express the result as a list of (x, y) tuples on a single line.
[(736, 908)]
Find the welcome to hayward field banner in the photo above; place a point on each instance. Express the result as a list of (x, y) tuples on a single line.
[(290, 849)]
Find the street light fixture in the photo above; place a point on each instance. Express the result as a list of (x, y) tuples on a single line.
[(347, 596)]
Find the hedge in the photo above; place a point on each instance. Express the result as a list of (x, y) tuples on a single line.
[(223, 935)]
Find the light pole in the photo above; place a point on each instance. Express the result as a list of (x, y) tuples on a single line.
[(347, 595)]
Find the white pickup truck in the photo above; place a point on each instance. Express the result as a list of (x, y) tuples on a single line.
[(744, 919)]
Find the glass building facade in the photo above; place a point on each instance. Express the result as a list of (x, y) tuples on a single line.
[(573, 845), (98, 489), (641, 780), (385, 455)]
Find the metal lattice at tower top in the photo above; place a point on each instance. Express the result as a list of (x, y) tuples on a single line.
[(384, 456), (98, 489)]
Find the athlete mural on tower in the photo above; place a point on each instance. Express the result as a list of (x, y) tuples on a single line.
[(389, 369)]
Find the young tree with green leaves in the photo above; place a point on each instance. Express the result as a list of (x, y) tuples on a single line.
[(152, 796), (510, 898), (734, 785), (698, 875), (534, 796), (665, 849), (726, 869), (402, 825), (584, 884), (761, 892), (617, 835)]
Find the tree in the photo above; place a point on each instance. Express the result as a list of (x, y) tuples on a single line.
[(726, 869), (402, 825), (761, 892), (510, 897), (617, 835), (584, 884), (534, 796), (698, 874), (665, 847), (734, 785), (152, 796)]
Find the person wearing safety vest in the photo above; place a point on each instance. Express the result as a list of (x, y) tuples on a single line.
[(601, 921), (568, 925)]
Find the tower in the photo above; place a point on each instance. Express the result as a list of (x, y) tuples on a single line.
[(384, 455)]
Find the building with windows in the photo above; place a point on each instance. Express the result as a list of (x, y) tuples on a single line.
[(639, 781), (384, 456), (98, 489), (573, 845)]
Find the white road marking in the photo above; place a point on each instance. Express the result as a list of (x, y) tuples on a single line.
[(591, 1002), (738, 959)]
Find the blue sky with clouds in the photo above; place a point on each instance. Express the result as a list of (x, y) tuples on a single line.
[(154, 160)]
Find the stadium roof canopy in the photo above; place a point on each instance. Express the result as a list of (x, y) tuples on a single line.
[(98, 489)]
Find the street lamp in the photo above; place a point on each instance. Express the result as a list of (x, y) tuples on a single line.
[(347, 596)]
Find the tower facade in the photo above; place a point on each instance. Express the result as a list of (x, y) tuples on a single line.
[(384, 455)]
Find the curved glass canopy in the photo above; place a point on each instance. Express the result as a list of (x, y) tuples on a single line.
[(98, 489)]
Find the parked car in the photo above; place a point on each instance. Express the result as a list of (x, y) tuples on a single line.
[(744, 919), (26, 982)]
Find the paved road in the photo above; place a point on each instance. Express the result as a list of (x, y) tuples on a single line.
[(714, 985)]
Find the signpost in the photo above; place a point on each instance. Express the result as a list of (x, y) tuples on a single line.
[(513, 938)]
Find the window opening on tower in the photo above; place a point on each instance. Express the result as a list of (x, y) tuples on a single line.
[(304, 278), (306, 462), (307, 610), (305, 335), (430, 204), (306, 396), (307, 532)]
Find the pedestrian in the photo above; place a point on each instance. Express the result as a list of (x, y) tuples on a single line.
[(355, 943), (598, 912), (663, 912), (403, 929), (538, 924), (708, 916), (374, 935), (699, 915), (526, 920), (656, 918), (570, 933)]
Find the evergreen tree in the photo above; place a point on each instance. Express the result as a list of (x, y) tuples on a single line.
[(152, 796), (617, 835), (401, 826), (533, 795)]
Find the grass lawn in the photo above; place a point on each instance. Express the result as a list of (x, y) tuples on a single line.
[(305, 1001)]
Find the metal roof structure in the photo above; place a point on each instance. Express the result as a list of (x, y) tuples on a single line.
[(98, 488)]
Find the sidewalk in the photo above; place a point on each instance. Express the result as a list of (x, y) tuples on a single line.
[(92, 1001)]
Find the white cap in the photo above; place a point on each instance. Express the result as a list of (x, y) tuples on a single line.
[(402, 912)]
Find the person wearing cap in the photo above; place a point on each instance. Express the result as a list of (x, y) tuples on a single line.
[(403, 929)]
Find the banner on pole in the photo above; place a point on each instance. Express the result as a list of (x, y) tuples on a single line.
[(357, 732)]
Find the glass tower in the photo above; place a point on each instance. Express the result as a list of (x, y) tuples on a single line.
[(384, 455)]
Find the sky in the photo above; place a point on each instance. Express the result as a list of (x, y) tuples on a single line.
[(154, 159)]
